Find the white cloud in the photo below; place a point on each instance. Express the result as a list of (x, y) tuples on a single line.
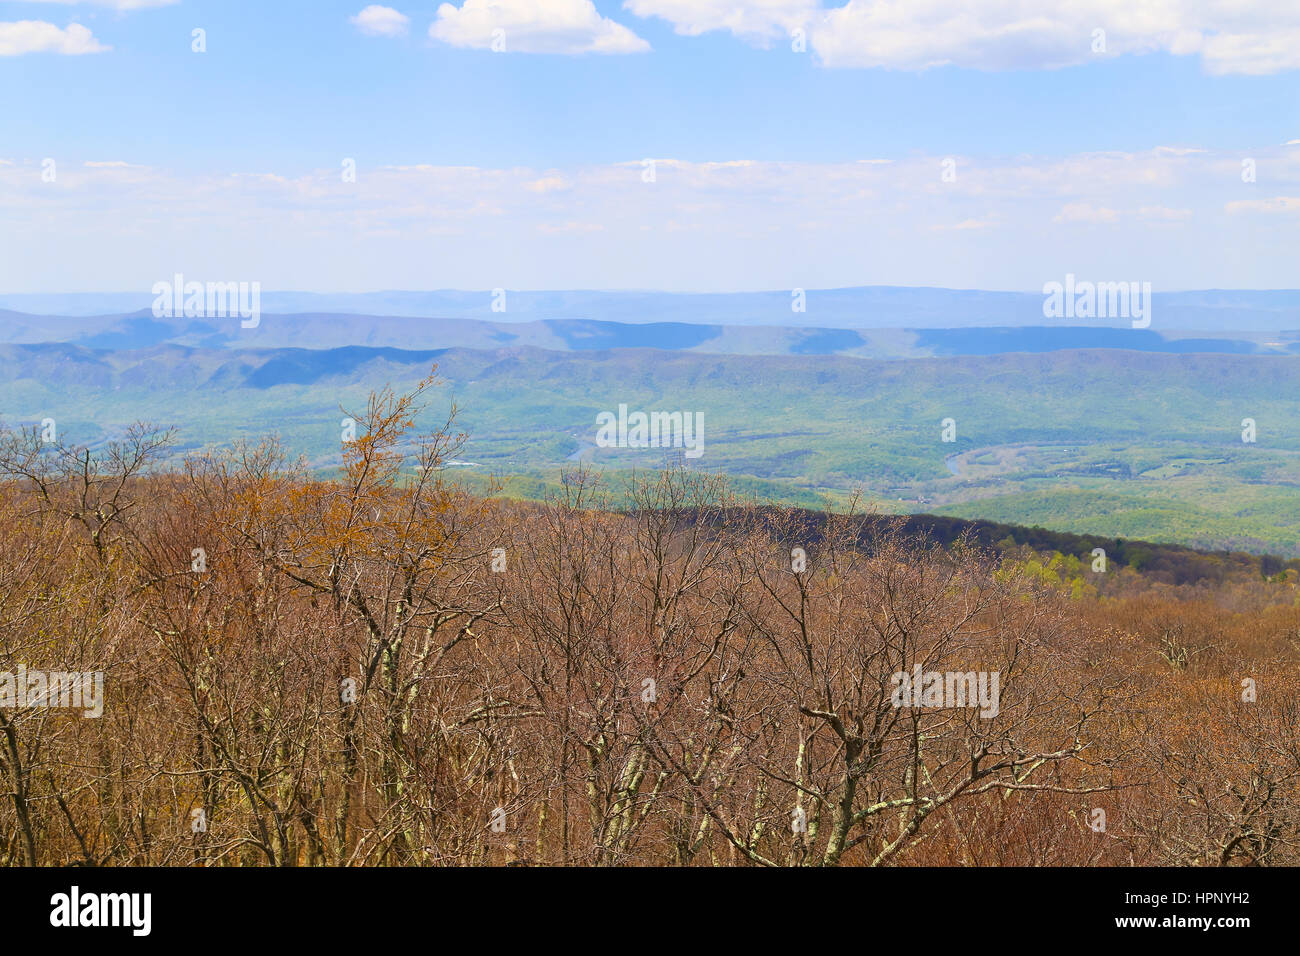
[(758, 21), (1167, 216), (1278, 204), (965, 225), (548, 184), (1088, 213), (37, 36), (534, 26), (1163, 214), (569, 228), (1083, 212), (1242, 36), (379, 21), (1257, 52)]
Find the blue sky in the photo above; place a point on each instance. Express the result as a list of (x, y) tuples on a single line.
[(286, 90)]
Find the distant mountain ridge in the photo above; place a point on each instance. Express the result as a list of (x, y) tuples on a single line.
[(141, 330), (863, 307)]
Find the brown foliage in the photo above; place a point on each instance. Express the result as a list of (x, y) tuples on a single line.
[(380, 669)]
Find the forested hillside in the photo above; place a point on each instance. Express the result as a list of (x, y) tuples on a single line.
[(379, 668)]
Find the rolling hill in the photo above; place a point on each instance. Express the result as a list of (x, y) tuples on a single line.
[(1107, 442)]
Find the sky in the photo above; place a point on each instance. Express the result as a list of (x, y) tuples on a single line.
[(680, 145)]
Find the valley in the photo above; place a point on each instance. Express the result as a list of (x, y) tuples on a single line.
[(1098, 441)]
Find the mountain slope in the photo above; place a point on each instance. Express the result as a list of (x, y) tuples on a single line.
[(1104, 441)]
